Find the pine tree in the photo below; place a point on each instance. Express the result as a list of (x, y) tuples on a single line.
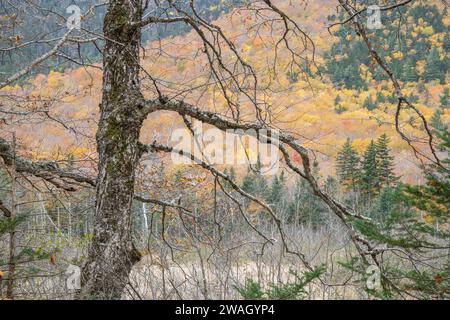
[(347, 164), (433, 69), (254, 182), (338, 106), (370, 183), (368, 104), (445, 98), (306, 208), (436, 120), (433, 198), (380, 98), (421, 86), (276, 191), (409, 71), (385, 162)]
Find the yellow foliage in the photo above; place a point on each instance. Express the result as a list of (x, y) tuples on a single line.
[(310, 118), (360, 144), (420, 67), (428, 31), (54, 79), (429, 219), (397, 55)]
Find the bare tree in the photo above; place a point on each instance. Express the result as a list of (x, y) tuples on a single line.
[(123, 110)]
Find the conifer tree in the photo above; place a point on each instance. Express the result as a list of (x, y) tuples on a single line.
[(433, 67), (409, 71), (385, 162), (277, 189), (436, 120), (414, 219), (370, 183), (433, 197), (445, 98), (347, 165), (254, 182), (338, 107), (368, 104)]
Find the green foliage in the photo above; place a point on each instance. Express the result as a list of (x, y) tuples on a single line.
[(370, 182), (370, 175), (295, 290), (409, 71), (347, 164), (338, 107), (251, 290), (255, 183), (411, 223), (306, 208), (434, 67), (47, 21), (445, 98), (8, 225), (342, 57), (433, 197), (369, 105), (436, 120), (277, 190), (385, 162)]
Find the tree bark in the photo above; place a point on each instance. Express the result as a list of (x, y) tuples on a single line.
[(112, 253)]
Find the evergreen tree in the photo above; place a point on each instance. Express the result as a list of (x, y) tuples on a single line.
[(421, 86), (347, 164), (387, 202), (306, 208), (433, 70), (433, 198), (414, 219), (436, 120), (276, 191), (409, 73), (254, 182), (368, 104), (385, 162), (338, 106), (370, 183), (445, 98), (380, 98)]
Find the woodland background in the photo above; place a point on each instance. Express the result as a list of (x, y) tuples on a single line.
[(341, 106)]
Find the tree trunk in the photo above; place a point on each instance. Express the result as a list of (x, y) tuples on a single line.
[(112, 253)]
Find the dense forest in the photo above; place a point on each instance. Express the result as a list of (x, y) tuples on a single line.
[(96, 204)]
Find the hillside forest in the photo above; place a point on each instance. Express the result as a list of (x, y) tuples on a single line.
[(107, 190)]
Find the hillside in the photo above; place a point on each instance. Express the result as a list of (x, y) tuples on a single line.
[(321, 108)]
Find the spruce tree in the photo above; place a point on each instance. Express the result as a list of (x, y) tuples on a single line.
[(368, 104), (433, 197), (436, 120), (433, 69), (413, 219), (370, 183), (385, 162), (276, 191), (254, 182), (445, 98), (338, 107), (347, 165), (409, 71)]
